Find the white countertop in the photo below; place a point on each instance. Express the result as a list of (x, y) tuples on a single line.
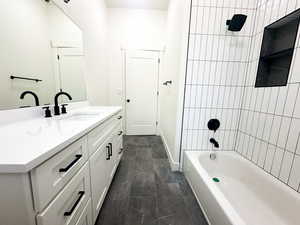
[(26, 144)]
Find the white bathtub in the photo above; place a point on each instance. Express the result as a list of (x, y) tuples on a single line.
[(245, 195)]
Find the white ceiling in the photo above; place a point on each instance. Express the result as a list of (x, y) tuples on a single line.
[(138, 4)]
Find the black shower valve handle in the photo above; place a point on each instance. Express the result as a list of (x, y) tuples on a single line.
[(213, 124)]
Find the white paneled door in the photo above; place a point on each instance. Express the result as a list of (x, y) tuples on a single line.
[(141, 78), (71, 72)]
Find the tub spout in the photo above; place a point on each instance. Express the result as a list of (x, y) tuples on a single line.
[(213, 156), (214, 142)]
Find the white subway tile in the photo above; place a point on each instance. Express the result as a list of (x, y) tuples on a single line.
[(295, 74), (286, 166), (293, 135), (256, 151), (269, 158), (275, 130), (284, 131), (291, 6), (262, 154), (266, 100), (277, 162), (261, 125), (273, 99), (294, 178), (281, 100), (268, 127), (291, 99), (297, 107)]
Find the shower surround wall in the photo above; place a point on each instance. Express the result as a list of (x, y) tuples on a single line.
[(268, 133), (264, 125), (217, 66)]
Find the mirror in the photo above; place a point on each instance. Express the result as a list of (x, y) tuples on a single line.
[(41, 51)]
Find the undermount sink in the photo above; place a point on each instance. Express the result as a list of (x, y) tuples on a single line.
[(79, 116)]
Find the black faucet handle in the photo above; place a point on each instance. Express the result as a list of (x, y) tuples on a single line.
[(63, 108), (47, 112)]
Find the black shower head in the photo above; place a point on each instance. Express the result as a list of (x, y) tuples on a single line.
[(237, 22)]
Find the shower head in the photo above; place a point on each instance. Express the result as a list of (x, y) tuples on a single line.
[(237, 22)]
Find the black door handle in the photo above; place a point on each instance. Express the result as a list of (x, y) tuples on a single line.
[(69, 213), (128, 100), (110, 145), (120, 133), (108, 153), (63, 170)]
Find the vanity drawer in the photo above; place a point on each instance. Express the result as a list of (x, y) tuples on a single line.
[(50, 177), (97, 136), (70, 203)]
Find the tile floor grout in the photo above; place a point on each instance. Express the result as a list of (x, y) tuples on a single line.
[(146, 192)]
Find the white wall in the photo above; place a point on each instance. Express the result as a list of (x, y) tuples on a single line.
[(63, 31), (174, 68), (91, 17), (131, 29)]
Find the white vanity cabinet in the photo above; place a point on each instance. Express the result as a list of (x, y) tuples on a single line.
[(104, 161), (69, 187)]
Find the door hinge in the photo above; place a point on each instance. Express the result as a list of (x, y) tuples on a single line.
[(58, 57), (158, 60), (156, 123), (158, 93)]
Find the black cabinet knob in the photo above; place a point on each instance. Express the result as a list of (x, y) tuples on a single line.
[(128, 100)]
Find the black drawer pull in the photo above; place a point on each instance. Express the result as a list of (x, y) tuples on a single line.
[(120, 117), (63, 170), (120, 133), (81, 194), (110, 145), (108, 153)]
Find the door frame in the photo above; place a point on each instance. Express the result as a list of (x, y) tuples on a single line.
[(124, 53)]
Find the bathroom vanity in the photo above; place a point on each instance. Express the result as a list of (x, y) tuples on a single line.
[(57, 171)]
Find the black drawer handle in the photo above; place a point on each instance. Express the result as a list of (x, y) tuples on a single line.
[(63, 170), (120, 133), (108, 153), (110, 146), (120, 117), (81, 194)]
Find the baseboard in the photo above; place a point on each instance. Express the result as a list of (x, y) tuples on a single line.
[(175, 166)]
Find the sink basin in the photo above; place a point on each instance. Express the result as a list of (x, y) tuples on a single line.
[(80, 116)]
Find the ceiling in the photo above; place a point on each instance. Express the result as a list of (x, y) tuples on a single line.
[(138, 4)]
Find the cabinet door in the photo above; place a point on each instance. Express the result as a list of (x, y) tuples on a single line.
[(116, 149), (100, 174), (86, 216)]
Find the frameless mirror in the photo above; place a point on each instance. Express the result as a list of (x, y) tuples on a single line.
[(41, 52)]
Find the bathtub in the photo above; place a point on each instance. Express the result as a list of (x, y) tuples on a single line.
[(244, 195)]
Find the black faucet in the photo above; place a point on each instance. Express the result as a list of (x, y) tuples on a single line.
[(37, 102), (56, 106), (214, 142)]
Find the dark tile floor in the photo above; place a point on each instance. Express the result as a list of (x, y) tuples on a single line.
[(146, 192)]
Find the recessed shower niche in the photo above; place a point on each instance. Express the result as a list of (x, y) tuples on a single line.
[(277, 51)]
